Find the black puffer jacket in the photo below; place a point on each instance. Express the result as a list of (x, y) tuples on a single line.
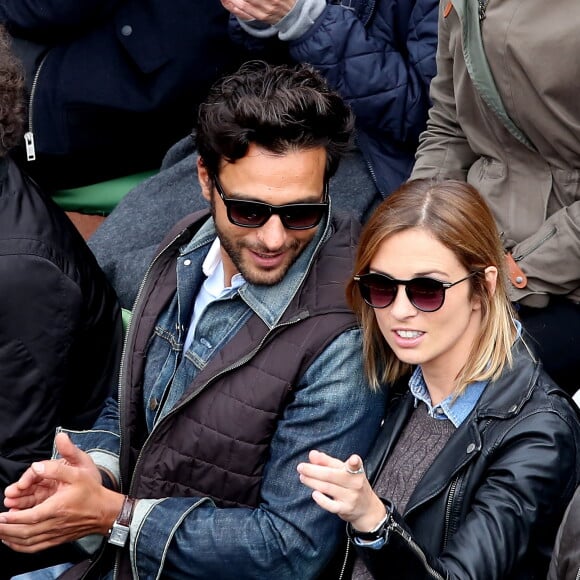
[(489, 506), (60, 327)]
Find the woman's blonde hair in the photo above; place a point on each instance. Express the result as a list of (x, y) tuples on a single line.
[(456, 215)]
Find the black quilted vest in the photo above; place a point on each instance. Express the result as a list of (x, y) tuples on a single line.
[(216, 440)]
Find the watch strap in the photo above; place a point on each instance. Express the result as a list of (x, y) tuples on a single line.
[(120, 529), (126, 514), (375, 534)]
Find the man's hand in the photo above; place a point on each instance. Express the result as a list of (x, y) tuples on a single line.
[(58, 501), (270, 11)]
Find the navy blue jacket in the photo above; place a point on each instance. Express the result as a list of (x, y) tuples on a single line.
[(121, 79), (380, 56)]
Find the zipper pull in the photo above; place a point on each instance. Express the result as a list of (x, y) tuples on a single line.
[(29, 142)]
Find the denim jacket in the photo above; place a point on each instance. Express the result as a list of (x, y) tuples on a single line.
[(287, 535)]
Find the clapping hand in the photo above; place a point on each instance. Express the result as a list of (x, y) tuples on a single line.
[(57, 501)]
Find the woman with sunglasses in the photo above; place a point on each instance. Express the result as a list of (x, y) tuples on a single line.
[(478, 454)]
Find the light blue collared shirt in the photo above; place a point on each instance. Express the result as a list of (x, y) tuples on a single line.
[(455, 409), (213, 287)]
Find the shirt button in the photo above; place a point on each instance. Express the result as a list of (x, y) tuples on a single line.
[(513, 408), (126, 30), (439, 411), (187, 262), (153, 404), (471, 448)]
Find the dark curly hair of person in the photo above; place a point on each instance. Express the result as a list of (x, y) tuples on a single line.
[(12, 100), (280, 108)]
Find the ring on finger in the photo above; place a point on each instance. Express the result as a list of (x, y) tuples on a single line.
[(361, 469)]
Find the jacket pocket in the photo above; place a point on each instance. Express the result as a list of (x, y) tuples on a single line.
[(536, 244), (565, 189), (489, 168)]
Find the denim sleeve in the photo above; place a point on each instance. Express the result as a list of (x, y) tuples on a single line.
[(102, 441), (287, 535)]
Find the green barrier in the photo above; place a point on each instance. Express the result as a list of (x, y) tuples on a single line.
[(126, 316), (99, 198)]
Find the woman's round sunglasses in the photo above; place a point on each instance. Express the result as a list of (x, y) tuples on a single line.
[(254, 214), (425, 294)]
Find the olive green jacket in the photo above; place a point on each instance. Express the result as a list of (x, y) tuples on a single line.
[(517, 142)]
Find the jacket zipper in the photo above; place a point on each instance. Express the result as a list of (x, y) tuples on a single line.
[(130, 330), (370, 168), (394, 527), (122, 365), (448, 508), (345, 561), (29, 135), (548, 236)]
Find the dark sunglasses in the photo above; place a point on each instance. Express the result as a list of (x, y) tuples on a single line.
[(254, 214), (425, 294)]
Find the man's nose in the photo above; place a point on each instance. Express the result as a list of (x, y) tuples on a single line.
[(273, 233)]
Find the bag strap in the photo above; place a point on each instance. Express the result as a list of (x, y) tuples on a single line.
[(478, 67)]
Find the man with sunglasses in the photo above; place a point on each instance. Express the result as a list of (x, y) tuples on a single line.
[(242, 355)]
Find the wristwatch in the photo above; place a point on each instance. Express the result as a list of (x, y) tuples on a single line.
[(377, 533), (119, 533)]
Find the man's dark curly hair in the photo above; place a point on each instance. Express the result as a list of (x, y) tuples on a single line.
[(280, 108), (12, 107)]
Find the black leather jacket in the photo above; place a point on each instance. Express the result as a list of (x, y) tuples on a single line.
[(60, 326), (489, 506)]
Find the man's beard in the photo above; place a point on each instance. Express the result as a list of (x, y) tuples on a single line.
[(253, 274)]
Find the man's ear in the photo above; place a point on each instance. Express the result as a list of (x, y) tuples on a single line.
[(204, 179)]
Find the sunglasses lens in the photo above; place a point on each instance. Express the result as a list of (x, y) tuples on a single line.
[(377, 291), (426, 294), (248, 214), (302, 217)]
